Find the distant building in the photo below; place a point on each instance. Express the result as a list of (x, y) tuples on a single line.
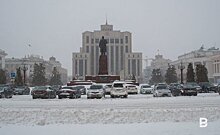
[(2, 59), (121, 60), (209, 58), (11, 64)]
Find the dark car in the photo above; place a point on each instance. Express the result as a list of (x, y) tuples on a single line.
[(69, 92), (207, 87), (21, 90), (43, 92), (175, 89), (188, 90), (82, 89), (5, 92)]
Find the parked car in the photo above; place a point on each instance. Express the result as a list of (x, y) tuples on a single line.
[(21, 90), (146, 89), (131, 89), (43, 92), (189, 90), (161, 90), (173, 86), (176, 91), (108, 89), (82, 89), (5, 92), (118, 90), (69, 92), (196, 85), (96, 91), (207, 87)]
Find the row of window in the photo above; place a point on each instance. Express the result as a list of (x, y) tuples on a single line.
[(111, 40), (87, 48)]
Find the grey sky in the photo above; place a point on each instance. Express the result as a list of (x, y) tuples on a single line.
[(54, 27)]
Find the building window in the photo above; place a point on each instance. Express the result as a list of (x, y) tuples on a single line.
[(87, 39), (126, 49), (126, 39), (85, 67), (81, 67), (112, 59), (76, 67), (92, 60), (122, 57), (134, 67), (116, 41), (129, 69), (92, 41), (87, 49), (96, 40), (138, 65), (107, 41), (121, 41), (117, 59), (112, 41)]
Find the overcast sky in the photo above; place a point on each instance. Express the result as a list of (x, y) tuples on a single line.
[(55, 27)]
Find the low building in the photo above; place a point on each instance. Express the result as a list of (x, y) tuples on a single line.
[(208, 57), (27, 63)]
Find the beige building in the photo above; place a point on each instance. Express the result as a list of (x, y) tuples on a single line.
[(11, 64), (209, 57), (121, 60)]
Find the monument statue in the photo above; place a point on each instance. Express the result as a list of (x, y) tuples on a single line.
[(102, 45)]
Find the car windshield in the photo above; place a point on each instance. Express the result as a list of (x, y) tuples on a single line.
[(67, 87), (118, 85), (161, 87), (96, 87), (146, 86), (40, 88)]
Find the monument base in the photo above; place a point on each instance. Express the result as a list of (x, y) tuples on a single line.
[(103, 78), (103, 65)]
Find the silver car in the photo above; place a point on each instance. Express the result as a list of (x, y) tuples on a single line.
[(96, 91), (161, 91)]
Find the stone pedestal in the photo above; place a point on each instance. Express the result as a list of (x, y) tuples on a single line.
[(103, 65)]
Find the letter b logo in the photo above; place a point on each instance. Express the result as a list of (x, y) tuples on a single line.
[(203, 122)]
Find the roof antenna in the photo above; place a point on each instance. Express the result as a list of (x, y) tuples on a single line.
[(106, 21)]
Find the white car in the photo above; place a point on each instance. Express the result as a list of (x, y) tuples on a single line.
[(131, 89), (118, 90), (146, 89), (161, 91), (96, 91)]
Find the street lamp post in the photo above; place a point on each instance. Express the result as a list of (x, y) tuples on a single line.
[(24, 68), (181, 67)]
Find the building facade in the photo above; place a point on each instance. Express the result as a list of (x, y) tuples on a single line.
[(208, 57), (11, 64), (121, 60)]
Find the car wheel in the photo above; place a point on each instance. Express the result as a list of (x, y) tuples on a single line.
[(112, 96), (59, 97), (33, 97), (126, 96)]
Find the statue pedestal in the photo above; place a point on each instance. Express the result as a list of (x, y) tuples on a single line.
[(103, 65), (102, 76)]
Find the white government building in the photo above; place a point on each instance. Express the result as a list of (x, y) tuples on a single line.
[(121, 60)]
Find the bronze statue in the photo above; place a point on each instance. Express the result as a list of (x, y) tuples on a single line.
[(102, 45)]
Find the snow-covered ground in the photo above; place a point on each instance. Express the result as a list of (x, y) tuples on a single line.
[(138, 114)]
